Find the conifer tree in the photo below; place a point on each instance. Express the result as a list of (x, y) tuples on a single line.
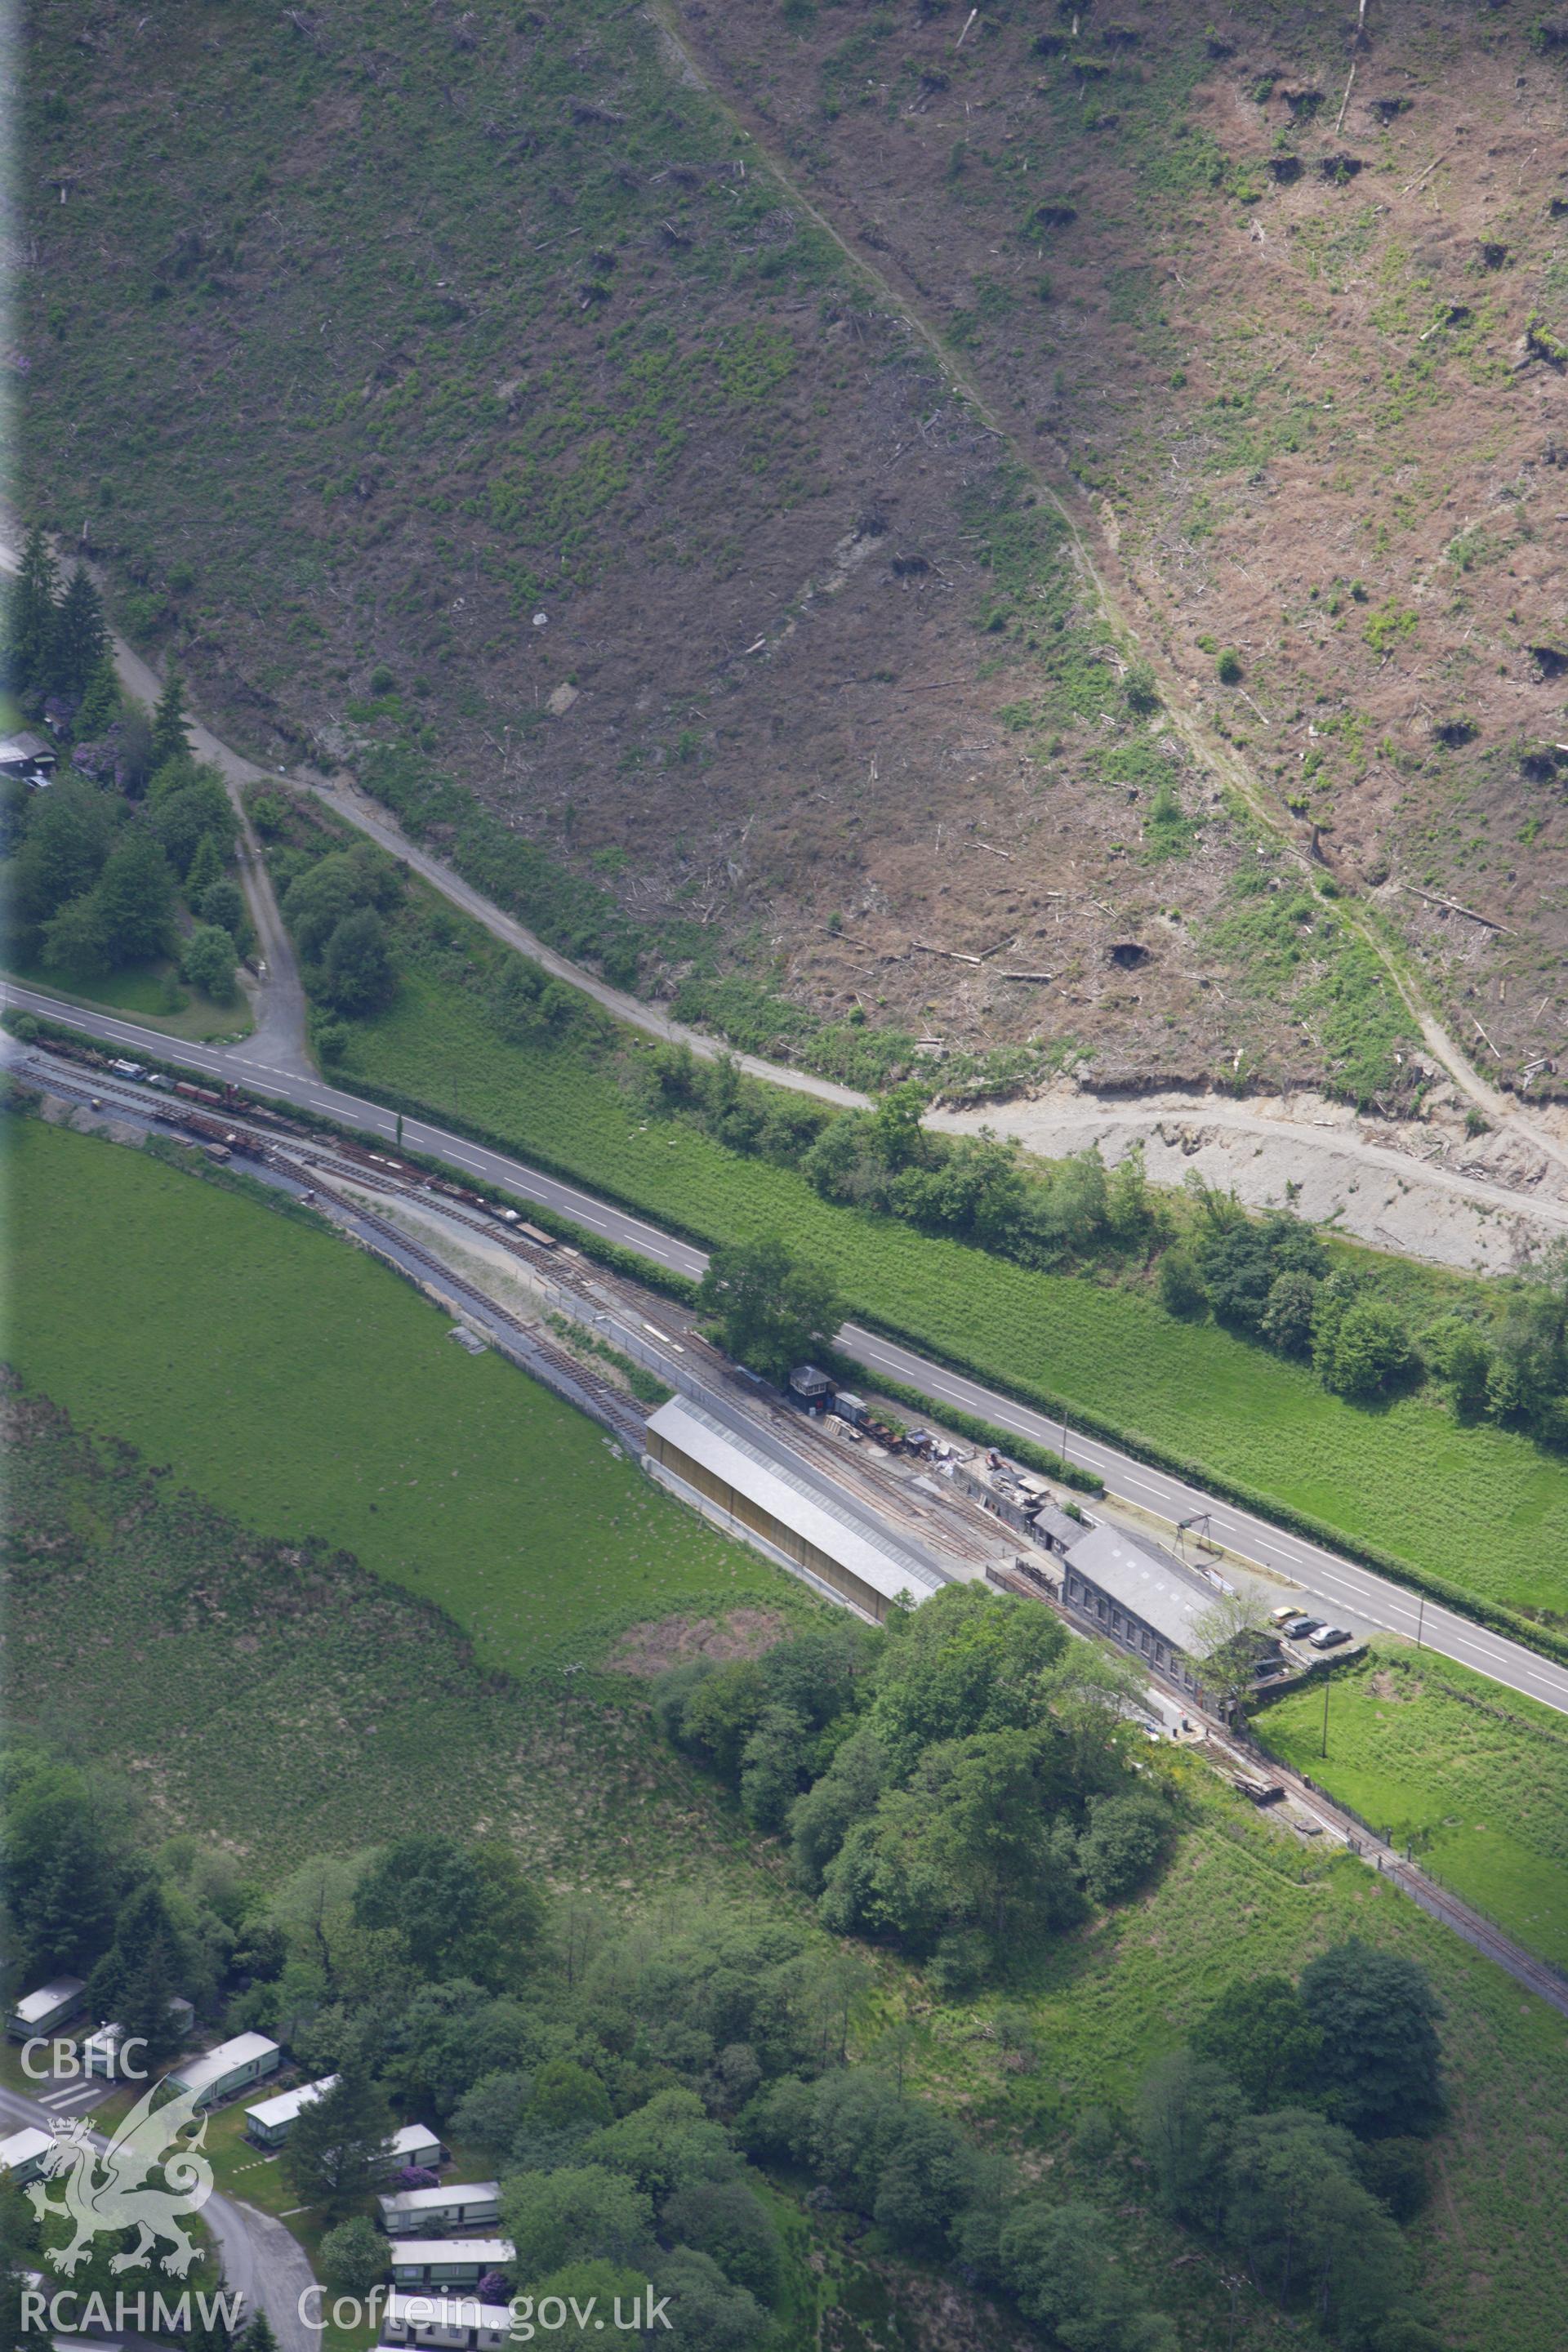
[(208, 2334), (258, 2335), (81, 637), (337, 2144), (170, 740), (100, 705), (206, 868), (33, 611), (140, 1974)]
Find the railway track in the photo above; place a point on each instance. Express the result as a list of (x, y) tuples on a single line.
[(1450, 1910), (307, 1165), (597, 1396), (308, 1162)]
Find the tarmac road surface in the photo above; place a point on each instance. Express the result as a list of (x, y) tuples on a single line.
[(1323, 1580), (261, 2262)]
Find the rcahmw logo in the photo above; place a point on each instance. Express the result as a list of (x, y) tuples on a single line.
[(111, 2188), (64, 2313)]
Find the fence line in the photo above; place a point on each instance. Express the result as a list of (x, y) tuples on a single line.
[(1409, 1865)]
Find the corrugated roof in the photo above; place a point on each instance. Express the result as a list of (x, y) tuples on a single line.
[(489, 2254), (46, 1999), (439, 2307), (1149, 1581), (889, 1563), (449, 2192)]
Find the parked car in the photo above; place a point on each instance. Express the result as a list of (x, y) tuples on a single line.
[(1283, 1616), (1298, 1628), (1329, 1637)]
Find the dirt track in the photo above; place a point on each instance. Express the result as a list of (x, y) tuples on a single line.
[(1422, 1187)]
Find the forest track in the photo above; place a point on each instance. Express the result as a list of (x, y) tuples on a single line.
[(1093, 565)]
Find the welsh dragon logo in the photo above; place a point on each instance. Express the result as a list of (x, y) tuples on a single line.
[(108, 2188)]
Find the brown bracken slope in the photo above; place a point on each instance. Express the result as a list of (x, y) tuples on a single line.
[(355, 340)]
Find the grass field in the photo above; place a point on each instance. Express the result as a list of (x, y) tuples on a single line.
[(1240, 1899), (1480, 1505), (319, 1709), (139, 991), (318, 1706), (1475, 1779), (299, 1385)]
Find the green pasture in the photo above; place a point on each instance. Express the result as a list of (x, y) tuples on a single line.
[(1473, 1778), (298, 1384), (1243, 1898), (1480, 1505), (140, 993)]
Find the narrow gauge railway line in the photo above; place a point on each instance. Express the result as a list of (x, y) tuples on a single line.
[(292, 1157), (296, 1163)]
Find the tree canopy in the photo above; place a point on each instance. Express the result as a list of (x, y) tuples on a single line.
[(769, 1310), (458, 1911), (1381, 2058), (336, 2147)]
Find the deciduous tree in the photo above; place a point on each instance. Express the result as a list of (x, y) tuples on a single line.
[(136, 897), (582, 2212), (208, 962), (459, 1911), (1260, 2032), (352, 2257), (1380, 2057), (358, 973), (771, 1310), (1187, 2112)]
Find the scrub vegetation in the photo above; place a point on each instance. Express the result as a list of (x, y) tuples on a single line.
[(1289, 1365), (118, 878), (610, 506), (281, 1642)]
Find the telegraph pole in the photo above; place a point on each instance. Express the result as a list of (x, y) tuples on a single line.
[(1328, 1677)]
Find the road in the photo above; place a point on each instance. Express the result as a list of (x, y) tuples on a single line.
[(371, 819), (279, 1000), (620, 1309), (260, 2261), (281, 1009), (1339, 1588)]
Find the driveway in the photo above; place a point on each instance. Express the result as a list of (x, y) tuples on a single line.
[(260, 2261)]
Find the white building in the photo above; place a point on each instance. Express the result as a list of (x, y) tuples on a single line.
[(270, 2121), (447, 2322), (22, 2156), (218, 2074), (768, 1495), (415, 2144), (49, 2006), (432, 2213), (100, 2051)]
